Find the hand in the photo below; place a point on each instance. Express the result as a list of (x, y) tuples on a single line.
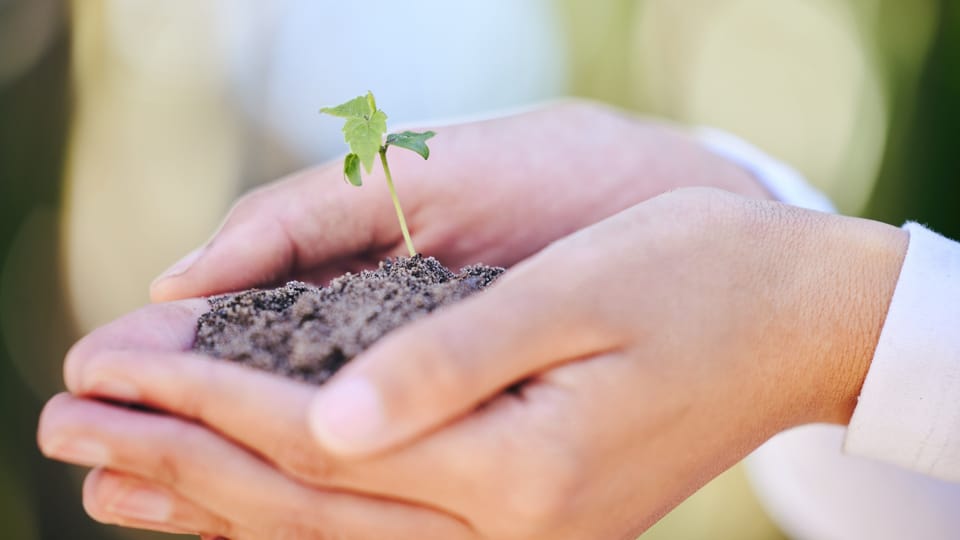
[(766, 315), (494, 192), (237, 462), (644, 354)]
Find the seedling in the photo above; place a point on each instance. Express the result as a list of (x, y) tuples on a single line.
[(364, 131)]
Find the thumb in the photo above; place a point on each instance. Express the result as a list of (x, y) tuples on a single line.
[(442, 366), (273, 232)]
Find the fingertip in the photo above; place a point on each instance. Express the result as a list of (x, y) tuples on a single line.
[(166, 289), (243, 254), (347, 418), (163, 288), (92, 504), (71, 364), (46, 421)]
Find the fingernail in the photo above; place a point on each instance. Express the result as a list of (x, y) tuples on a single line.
[(142, 504), (122, 391), (81, 452), (347, 418), (182, 265)]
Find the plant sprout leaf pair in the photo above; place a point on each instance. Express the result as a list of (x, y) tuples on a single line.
[(363, 130)]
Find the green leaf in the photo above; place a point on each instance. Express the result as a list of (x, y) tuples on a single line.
[(358, 107), (412, 141), (372, 102), (365, 136), (351, 170)]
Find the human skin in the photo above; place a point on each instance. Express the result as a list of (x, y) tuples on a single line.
[(494, 191), (655, 349)]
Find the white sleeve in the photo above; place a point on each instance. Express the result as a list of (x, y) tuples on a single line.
[(909, 409)]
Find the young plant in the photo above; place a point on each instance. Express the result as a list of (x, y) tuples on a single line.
[(364, 131)]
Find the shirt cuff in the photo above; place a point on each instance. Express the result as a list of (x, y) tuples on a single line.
[(908, 412)]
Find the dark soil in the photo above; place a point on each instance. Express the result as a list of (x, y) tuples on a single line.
[(308, 333)]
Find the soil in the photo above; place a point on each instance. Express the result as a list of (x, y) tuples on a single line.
[(307, 332)]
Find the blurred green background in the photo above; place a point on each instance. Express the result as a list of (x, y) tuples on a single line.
[(127, 126)]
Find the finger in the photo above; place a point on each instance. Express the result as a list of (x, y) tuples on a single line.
[(226, 480), (162, 327), (524, 436), (116, 498), (260, 411), (281, 230), (442, 366), (228, 397), (163, 449)]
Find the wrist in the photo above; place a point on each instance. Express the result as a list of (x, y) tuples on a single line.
[(855, 274)]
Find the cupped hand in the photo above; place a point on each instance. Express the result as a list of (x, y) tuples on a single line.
[(220, 450), (494, 191), (585, 394), (236, 460)]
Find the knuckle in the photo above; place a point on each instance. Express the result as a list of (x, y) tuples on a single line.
[(305, 464), (168, 454), (192, 404), (166, 468), (201, 383)]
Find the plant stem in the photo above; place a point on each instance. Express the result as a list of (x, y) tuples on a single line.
[(396, 203)]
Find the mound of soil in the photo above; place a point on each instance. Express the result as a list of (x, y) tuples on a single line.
[(308, 333)]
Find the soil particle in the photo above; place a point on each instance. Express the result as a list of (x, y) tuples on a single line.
[(308, 333)]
